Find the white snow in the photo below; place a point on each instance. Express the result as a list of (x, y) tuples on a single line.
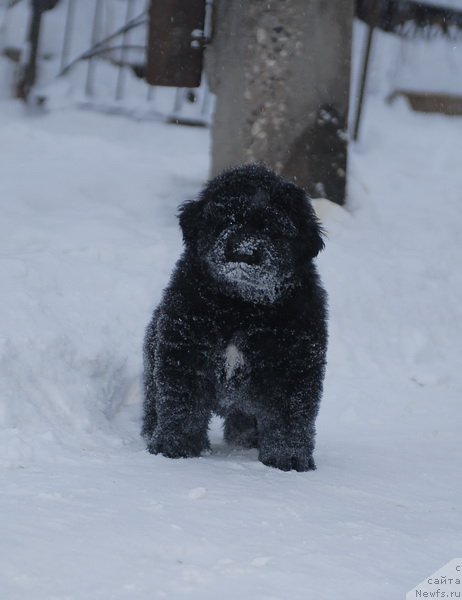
[(88, 237), (197, 493)]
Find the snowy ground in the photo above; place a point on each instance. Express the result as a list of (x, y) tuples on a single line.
[(88, 237)]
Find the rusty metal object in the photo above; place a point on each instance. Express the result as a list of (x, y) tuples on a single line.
[(175, 42), (428, 102)]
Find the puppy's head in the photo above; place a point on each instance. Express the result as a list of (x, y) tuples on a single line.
[(253, 231)]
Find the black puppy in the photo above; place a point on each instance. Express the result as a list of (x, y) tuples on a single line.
[(241, 330)]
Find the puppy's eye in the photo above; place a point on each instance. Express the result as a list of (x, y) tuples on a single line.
[(218, 216), (214, 211), (281, 225)]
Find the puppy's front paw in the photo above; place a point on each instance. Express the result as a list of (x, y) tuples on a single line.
[(297, 460), (177, 446)]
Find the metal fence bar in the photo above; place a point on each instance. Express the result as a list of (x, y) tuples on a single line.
[(363, 83), (151, 93), (179, 98), (125, 41), (205, 108), (68, 30), (119, 50), (139, 20), (4, 14), (94, 39), (28, 72)]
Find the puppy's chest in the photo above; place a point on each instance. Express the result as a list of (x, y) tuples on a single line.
[(233, 362), (233, 373)]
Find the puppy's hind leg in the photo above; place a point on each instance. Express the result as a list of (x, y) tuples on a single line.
[(150, 411), (150, 392), (241, 430)]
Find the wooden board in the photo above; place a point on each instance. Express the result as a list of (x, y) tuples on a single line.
[(175, 54), (430, 102)]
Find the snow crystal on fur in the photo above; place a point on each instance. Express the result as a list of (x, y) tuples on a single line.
[(233, 360)]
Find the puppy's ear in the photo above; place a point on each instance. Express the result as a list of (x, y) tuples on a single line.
[(311, 231), (314, 232), (189, 215)]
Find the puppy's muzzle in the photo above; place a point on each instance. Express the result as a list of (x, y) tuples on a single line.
[(244, 249)]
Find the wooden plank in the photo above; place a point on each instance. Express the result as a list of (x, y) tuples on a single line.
[(175, 48), (429, 102)]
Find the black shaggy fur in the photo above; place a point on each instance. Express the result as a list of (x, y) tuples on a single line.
[(241, 330)]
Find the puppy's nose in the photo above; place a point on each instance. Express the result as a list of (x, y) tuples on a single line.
[(243, 251)]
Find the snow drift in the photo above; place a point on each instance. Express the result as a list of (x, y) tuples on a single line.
[(88, 238)]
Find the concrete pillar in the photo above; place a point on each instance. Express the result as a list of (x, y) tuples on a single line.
[(281, 71)]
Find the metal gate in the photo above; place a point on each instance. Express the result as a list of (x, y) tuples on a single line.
[(98, 48)]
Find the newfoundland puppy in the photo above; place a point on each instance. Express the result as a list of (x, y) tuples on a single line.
[(241, 330)]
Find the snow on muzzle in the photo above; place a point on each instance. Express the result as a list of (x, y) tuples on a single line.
[(240, 248), (249, 265)]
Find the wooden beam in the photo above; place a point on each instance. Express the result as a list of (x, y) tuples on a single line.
[(175, 42)]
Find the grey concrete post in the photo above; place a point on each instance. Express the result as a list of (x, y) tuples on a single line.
[(281, 72)]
